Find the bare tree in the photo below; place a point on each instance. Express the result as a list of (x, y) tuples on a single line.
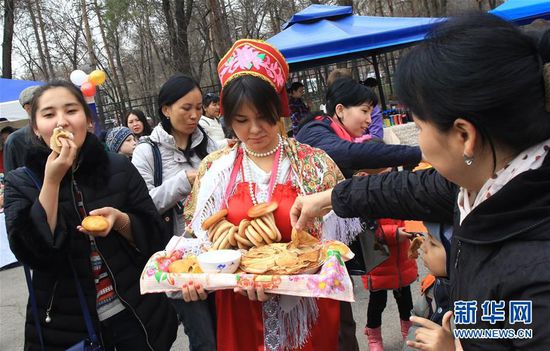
[(220, 36), (171, 27), (183, 13), (43, 66), (7, 42), (44, 38), (113, 69), (66, 32), (458, 7), (88, 33)]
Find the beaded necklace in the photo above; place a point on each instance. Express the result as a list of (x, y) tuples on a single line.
[(275, 171), (264, 154)]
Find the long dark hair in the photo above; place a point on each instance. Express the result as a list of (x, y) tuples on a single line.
[(51, 85), (174, 89), (484, 70), (253, 90), (141, 116)]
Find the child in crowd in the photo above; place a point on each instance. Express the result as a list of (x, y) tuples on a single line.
[(121, 140), (210, 120), (396, 273), (434, 301)]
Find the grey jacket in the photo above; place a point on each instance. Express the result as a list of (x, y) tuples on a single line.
[(175, 185)]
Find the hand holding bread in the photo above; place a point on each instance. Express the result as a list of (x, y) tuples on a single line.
[(55, 140), (102, 221), (62, 158)]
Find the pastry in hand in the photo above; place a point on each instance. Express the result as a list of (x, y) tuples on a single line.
[(415, 246), (95, 224), (59, 132)]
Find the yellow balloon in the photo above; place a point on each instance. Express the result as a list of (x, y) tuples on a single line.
[(97, 77)]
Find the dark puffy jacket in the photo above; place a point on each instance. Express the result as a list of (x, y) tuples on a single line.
[(105, 179), (350, 156), (499, 252)]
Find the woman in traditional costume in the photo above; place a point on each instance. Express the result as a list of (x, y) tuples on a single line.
[(262, 167)]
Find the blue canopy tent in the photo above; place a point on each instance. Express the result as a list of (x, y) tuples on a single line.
[(10, 108), (523, 11), (323, 34), (16, 116)]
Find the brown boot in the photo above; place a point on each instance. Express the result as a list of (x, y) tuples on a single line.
[(374, 336)]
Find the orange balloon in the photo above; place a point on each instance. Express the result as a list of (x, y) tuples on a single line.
[(97, 77), (88, 89)]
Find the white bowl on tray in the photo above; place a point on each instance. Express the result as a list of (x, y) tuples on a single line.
[(219, 261)]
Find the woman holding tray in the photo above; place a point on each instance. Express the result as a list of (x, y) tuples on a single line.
[(263, 166)]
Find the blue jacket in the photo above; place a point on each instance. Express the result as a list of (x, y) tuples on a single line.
[(351, 156)]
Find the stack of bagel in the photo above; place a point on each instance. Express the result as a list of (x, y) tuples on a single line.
[(258, 231)]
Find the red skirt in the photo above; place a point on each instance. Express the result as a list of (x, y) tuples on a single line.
[(240, 324)]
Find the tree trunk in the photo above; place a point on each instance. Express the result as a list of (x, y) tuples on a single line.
[(390, 7), (459, 7), (379, 9), (7, 42), (172, 36), (183, 16), (153, 41), (274, 15), (110, 59), (345, 2), (124, 80), (88, 34), (43, 66), (220, 30), (44, 39)]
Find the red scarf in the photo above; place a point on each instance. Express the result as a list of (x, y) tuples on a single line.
[(337, 128)]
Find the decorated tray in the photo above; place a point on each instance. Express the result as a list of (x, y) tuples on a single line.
[(313, 269)]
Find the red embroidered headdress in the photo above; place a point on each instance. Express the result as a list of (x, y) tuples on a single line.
[(260, 59)]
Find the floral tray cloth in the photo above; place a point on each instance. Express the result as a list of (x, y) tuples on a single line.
[(332, 281)]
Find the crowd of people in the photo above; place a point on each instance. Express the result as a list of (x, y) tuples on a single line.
[(484, 203)]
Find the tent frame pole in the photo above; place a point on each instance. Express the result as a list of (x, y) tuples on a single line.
[(380, 89)]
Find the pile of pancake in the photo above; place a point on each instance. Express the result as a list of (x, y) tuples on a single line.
[(303, 254)]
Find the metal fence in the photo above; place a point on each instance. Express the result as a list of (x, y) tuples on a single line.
[(314, 79), (112, 113)]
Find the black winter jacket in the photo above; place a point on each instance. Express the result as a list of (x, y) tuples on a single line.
[(351, 157), (105, 179), (501, 251)]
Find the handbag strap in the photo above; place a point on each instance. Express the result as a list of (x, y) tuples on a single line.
[(157, 160), (28, 277), (34, 307), (82, 300), (84, 307)]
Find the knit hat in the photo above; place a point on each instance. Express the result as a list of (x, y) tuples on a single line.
[(442, 233), (116, 136), (26, 96), (259, 59)]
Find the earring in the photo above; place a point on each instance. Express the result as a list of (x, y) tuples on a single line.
[(468, 160)]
